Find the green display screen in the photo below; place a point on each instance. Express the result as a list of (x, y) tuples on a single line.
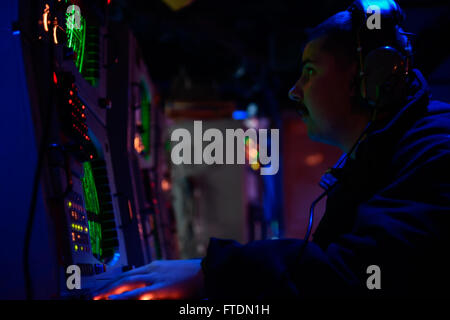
[(146, 117), (76, 35), (83, 39), (93, 207)]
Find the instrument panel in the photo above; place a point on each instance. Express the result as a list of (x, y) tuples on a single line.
[(95, 155)]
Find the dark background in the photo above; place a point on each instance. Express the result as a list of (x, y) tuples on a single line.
[(238, 49)]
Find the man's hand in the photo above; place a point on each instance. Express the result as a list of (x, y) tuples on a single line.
[(165, 279)]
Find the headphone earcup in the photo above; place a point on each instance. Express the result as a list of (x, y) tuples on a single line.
[(384, 71)]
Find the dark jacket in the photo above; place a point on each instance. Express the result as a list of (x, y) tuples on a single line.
[(390, 208)]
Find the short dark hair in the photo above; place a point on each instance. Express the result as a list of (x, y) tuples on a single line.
[(340, 37)]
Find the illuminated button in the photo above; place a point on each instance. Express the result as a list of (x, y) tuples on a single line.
[(69, 204), (76, 247)]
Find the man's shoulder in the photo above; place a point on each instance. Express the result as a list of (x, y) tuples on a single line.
[(436, 107), (437, 116), (428, 138), (432, 125)]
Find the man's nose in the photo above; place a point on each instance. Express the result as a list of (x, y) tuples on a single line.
[(296, 93)]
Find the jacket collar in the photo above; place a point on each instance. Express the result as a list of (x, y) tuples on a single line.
[(416, 103)]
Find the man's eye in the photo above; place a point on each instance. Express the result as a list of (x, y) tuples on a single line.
[(307, 72)]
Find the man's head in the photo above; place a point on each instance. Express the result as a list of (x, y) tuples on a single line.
[(329, 87)]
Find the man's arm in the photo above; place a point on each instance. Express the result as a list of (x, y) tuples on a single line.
[(403, 229)]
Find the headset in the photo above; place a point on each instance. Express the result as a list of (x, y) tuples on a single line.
[(383, 71), (383, 76)]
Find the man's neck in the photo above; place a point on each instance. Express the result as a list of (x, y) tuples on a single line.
[(353, 136)]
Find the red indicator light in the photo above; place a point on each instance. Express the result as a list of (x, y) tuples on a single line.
[(71, 92), (70, 101), (55, 78), (91, 156), (83, 107)]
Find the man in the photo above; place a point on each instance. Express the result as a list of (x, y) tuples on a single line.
[(386, 228)]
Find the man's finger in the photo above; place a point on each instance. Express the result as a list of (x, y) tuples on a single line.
[(153, 292), (123, 285), (137, 294), (118, 290)]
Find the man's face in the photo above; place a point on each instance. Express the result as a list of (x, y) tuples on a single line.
[(324, 93)]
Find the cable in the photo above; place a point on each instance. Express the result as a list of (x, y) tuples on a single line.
[(311, 213), (314, 203), (34, 193), (32, 209)]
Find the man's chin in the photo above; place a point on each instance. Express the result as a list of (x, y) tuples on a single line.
[(314, 135), (317, 138)]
